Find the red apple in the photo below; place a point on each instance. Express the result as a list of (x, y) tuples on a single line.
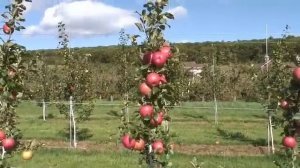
[(8, 143), (159, 59), (139, 145), (146, 111), (128, 142), (166, 51), (158, 147), (296, 73), (2, 135), (284, 104), (147, 58), (289, 142), (145, 90), (157, 120), (7, 29), (163, 79), (153, 79)]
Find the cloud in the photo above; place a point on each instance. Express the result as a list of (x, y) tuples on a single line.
[(178, 11), (83, 18)]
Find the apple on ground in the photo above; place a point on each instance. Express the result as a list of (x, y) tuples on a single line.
[(27, 154)]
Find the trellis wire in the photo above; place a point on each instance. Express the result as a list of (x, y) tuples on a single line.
[(182, 107)]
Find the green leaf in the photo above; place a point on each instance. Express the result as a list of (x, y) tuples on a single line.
[(140, 27), (144, 12), (162, 27), (169, 15), (4, 16)]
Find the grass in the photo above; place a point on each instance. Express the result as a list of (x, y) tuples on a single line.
[(71, 159), (192, 123), (240, 123)]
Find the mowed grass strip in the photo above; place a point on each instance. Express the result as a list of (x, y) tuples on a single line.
[(192, 123), (55, 158)]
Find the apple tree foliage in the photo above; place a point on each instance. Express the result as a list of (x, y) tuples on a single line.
[(271, 81), (149, 133), (289, 101), (12, 70), (126, 67), (41, 80), (274, 94), (75, 81)]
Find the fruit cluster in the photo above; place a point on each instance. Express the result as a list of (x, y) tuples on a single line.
[(151, 117), (7, 143), (290, 104)]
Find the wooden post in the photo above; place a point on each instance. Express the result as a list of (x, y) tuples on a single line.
[(44, 110)]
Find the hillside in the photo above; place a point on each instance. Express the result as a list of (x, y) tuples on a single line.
[(233, 51)]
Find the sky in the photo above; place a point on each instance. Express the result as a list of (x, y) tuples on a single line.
[(98, 22)]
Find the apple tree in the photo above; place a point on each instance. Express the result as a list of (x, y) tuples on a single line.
[(269, 80), (75, 83), (126, 66), (40, 82), (12, 74), (159, 89), (289, 101)]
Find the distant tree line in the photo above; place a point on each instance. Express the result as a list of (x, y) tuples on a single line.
[(236, 51), (234, 64)]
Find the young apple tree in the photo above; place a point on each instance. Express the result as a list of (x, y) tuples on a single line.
[(75, 86), (12, 73), (159, 89), (271, 78)]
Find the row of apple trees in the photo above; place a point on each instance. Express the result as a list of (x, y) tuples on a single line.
[(67, 86), (13, 71)]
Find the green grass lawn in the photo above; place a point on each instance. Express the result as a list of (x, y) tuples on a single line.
[(240, 123), (192, 123), (127, 159)]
